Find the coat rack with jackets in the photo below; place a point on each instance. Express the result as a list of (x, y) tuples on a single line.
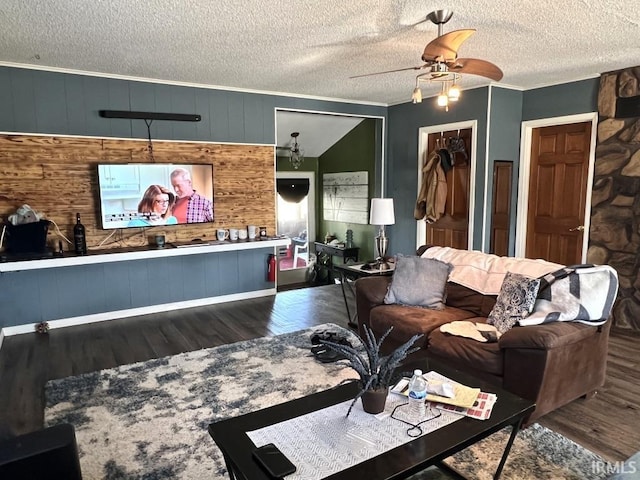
[(432, 197)]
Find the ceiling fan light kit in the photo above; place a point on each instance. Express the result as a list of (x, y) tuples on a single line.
[(454, 92), (443, 65), (416, 97), (449, 91), (443, 98)]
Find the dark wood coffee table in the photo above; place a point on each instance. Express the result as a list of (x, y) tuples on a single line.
[(401, 462)]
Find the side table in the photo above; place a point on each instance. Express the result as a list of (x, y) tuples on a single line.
[(347, 255), (348, 275)]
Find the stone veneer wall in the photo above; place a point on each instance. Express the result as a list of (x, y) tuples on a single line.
[(615, 216)]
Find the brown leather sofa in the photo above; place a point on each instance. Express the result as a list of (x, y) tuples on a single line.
[(552, 364)]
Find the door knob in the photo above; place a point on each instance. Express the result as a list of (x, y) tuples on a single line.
[(579, 228)]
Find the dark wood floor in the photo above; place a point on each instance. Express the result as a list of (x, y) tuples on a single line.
[(606, 424)]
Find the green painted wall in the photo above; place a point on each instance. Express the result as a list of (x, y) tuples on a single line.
[(355, 152), (310, 164)]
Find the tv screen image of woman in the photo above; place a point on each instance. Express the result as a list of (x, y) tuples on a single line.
[(155, 208)]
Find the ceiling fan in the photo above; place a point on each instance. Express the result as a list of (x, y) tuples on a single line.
[(441, 55)]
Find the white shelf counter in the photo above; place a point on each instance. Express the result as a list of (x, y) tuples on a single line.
[(140, 253)]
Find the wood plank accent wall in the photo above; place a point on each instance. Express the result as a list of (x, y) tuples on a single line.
[(58, 176)]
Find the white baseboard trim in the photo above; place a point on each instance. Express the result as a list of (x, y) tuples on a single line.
[(132, 312)]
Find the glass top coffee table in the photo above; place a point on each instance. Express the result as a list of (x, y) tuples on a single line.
[(401, 462)]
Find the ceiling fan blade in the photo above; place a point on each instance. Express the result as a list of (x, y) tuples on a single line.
[(391, 71), (445, 47), (476, 66)]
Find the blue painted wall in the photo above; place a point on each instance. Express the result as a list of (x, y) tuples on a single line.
[(33, 296), (560, 100), (404, 122), (498, 139), (34, 101), (504, 144)]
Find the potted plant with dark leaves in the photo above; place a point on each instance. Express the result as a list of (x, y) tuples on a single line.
[(375, 370)]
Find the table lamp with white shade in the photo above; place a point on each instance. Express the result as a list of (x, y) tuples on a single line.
[(382, 214)]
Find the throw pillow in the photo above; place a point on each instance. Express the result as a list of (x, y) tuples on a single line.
[(419, 282), (515, 301)]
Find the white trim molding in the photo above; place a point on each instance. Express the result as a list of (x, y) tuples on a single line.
[(132, 312), (525, 174)]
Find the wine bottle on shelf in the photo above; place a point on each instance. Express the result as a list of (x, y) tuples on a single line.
[(79, 237)]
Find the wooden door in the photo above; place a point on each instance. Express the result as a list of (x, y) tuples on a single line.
[(452, 230), (557, 192), (501, 209)]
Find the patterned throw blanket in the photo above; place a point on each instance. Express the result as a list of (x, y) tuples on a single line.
[(580, 293)]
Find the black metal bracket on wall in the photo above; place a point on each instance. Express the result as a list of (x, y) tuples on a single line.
[(628, 107), (176, 117)]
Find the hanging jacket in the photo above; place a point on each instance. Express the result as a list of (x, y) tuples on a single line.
[(428, 180), (439, 198), (432, 197)]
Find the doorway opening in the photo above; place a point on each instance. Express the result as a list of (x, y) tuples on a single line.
[(329, 143), (295, 219), (456, 227)]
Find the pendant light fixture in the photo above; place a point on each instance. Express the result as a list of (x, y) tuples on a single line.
[(296, 157)]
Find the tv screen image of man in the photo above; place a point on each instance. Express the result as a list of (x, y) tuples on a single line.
[(190, 207)]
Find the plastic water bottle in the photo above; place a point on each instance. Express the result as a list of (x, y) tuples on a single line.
[(417, 396)]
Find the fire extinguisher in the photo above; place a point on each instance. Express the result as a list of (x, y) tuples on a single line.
[(271, 268)]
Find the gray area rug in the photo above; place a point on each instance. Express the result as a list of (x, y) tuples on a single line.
[(149, 420)]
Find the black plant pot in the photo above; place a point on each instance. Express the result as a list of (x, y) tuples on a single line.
[(373, 401)]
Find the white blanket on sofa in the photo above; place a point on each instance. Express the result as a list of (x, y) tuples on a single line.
[(484, 272)]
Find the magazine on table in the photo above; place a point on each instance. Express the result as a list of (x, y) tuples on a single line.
[(480, 410), (438, 386)]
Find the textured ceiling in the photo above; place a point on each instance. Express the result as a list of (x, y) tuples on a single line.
[(312, 47)]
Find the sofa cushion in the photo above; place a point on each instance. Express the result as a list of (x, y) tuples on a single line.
[(407, 321), (418, 282), (469, 354), (465, 298), (549, 335), (515, 301)]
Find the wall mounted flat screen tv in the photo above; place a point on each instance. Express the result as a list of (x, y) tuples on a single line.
[(146, 195)]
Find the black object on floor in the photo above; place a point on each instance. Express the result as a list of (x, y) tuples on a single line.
[(329, 356), (49, 454), (320, 335), (324, 353)]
